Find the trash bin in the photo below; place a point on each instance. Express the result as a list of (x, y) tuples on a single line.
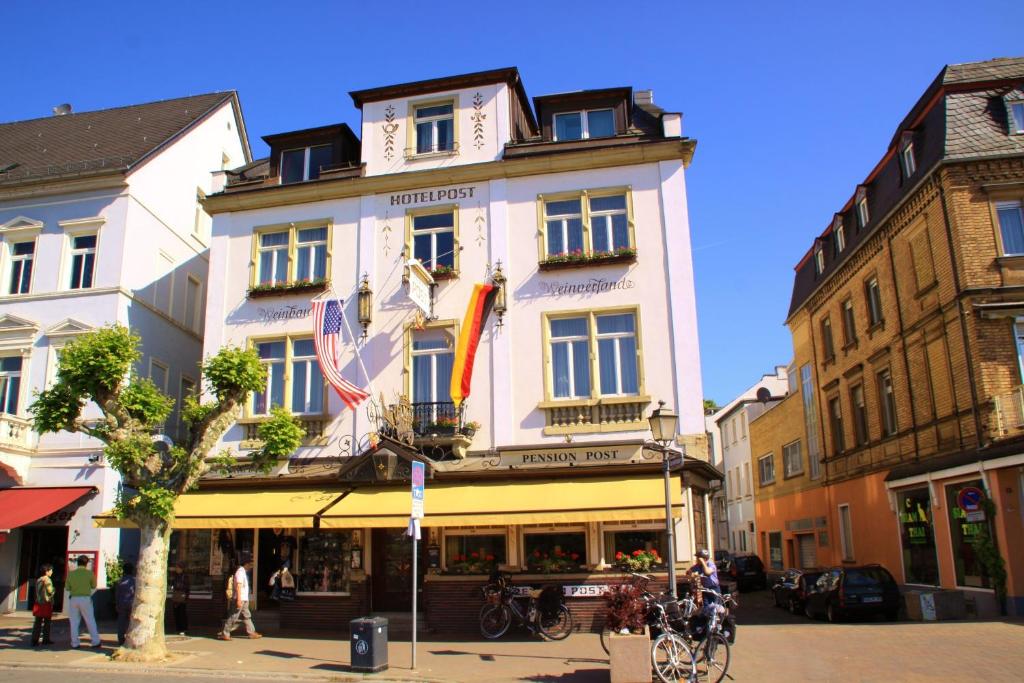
[(369, 643)]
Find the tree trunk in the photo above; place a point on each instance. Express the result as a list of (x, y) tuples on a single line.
[(144, 641)]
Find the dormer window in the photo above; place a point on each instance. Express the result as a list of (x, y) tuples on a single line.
[(839, 233), (583, 125), (435, 128), (862, 207), (907, 156), (298, 165), (819, 259), (1016, 117)]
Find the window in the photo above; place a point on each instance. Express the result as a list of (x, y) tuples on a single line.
[(432, 357), (612, 338), (766, 469), (860, 415), (433, 239), (828, 348), (163, 286), (324, 561), (819, 259), (591, 223), (302, 388), (792, 460), (862, 207), (849, 324), (10, 384), (193, 303), (307, 381), (555, 551), (581, 125), (158, 374), (192, 548), (846, 532), (775, 549), (83, 261), (296, 253), (743, 425), (840, 236), (1011, 227), (22, 256), (200, 223), (886, 403), (628, 541), (835, 413), (792, 379), (435, 128), (186, 389), (810, 419), (907, 158), (964, 528), (874, 296), (304, 163), (272, 356), (1017, 114), (748, 488), (917, 537), (474, 553)]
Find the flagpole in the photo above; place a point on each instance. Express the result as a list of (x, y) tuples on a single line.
[(355, 344)]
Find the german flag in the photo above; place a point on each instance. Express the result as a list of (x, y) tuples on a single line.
[(480, 305)]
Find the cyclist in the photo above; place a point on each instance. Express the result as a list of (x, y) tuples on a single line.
[(705, 568)]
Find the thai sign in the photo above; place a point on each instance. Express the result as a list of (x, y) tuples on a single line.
[(595, 285), (570, 456)]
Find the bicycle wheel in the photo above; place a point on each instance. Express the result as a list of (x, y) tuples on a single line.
[(713, 663), (671, 659), (558, 626), (606, 634), (494, 621)]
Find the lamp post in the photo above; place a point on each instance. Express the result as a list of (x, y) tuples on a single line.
[(664, 422)]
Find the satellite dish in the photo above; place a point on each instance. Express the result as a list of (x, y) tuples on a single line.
[(62, 109), (764, 395)]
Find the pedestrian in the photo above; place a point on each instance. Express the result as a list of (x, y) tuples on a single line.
[(180, 589), (238, 601), (42, 609), (705, 570), (80, 584), (124, 590), (282, 583)]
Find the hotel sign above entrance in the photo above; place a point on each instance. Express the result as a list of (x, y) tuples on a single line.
[(570, 456)]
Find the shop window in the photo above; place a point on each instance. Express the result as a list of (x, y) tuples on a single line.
[(325, 559), (192, 548), (964, 530), (474, 553), (628, 541), (917, 537), (552, 552)]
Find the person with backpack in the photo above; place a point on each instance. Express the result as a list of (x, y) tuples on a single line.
[(124, 590), (238, 601), (42, 609)]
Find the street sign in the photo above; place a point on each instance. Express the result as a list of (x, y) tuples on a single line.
[(969, 500), (418, 477)]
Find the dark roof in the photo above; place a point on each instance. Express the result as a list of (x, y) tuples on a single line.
[(962, 114), (103, 141), (340, 129), (622, 91), (258, 169)]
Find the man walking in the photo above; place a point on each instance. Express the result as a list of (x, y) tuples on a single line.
[(238, 599), (80, 584), (124, 590)]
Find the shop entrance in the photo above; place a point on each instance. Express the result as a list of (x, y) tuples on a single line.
[(275, 547), (392, 570), (39, 545)]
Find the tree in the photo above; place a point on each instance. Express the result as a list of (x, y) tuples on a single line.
[(710, 406), (98, 368)]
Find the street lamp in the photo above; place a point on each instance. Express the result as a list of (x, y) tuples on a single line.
[(664, 422)]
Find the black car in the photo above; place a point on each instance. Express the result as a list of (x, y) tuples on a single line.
[(792, 588), (747, 571), (843, 592)]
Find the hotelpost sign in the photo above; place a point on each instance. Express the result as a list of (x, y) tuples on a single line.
[(418, 288), (570, 456)]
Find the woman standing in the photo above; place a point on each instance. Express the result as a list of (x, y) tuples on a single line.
[(179, 597), (42, 610)]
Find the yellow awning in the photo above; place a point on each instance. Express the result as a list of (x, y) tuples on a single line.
[(522, 502), (244, 509)]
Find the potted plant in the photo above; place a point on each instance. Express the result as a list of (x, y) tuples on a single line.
[(472, 563), (629, 646), (444, 425), (639, 561), (442, 272), (469, 429), (556, 562)]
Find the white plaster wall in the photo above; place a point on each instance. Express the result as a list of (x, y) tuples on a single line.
[(494, 109)]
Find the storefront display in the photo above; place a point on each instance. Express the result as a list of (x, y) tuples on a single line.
[(324, 561), (964, 527), (192, 548), (628, 541), (917, 537), (473, 553)]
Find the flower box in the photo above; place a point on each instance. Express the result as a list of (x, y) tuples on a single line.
[(582, 260), (287, 288), (443, 273), (629, 657)]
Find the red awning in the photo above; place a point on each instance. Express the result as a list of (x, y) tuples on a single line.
[(21, 506)]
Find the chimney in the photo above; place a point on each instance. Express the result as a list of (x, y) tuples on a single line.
[(642, 97), (62, 109)]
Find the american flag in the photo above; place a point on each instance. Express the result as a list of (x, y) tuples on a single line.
[(327, 320)]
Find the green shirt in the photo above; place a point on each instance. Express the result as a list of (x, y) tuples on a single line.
[(80, 583)]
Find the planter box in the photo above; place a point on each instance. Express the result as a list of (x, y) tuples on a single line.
[(630, 658), (288, 289), (587, 262)]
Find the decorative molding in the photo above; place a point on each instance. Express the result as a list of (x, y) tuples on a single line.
[(21, 223), (481, 224), (390, 128), (478, 120), (69, 327), (82, 224), (387, 233)]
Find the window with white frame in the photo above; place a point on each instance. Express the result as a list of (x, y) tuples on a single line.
[(748, 484), (1011, 227), (272, 253), (609, 223), (294, 379), (272, 356), (860, 414), (839, 233), (819, 259), (611, 337), (83, 261), (22, 256), (563, 220), (186, 389), (908, 161), (874, 296), (792, 459), (582, 125), (163, 287), (306, 379), (570, 357), (433, 240), (862, 208), (766, 469), (435, 127), (201, 221), (849, 323), (193, 303), (743, 425), (310, 254), (616, 354), (1017, 116), (10, 384), (587, 224), (304, 163), (846, 532), (432, 361), (297, 253), (886, 402)]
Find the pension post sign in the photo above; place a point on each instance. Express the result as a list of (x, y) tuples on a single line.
[(571, 456)]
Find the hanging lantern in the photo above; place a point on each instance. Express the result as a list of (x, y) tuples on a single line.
[(500, 306), (365, 304)]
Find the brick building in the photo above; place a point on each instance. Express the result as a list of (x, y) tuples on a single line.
[(907, 320)]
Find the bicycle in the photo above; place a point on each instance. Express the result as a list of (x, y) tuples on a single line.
[(702, 625), (544, 611)]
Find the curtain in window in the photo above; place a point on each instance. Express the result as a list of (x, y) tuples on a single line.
[(421, 379), (1012, 227), (555, 243), (570, 356), (443, 379)]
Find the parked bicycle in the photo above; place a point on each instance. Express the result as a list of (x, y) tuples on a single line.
[(707, 625), (540, 610)]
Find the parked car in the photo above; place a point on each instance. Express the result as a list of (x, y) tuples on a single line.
[(843, 592), (792, 588), (747, 571)]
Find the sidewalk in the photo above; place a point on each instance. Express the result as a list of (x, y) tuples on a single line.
[(315, 655)]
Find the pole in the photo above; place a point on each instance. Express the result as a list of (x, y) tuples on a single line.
[(415, 543), (669, 531)]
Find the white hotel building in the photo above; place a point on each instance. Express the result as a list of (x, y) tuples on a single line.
[(575, 204)]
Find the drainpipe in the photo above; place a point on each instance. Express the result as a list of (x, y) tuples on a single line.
[(903, 347)]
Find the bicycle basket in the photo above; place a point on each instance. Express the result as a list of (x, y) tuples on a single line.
[(672, 610), (492, 594), (549, 601)]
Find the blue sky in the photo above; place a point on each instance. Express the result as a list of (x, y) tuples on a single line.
[(791, 103)]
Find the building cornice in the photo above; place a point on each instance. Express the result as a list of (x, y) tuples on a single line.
[(54, 186), (303, 193)]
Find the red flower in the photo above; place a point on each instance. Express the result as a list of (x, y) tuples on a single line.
[(618, 555), (558, 553), (638, 553), (654, 552), (536, 553), (545, 556), (489, 558), (475, 555), (575, 556)]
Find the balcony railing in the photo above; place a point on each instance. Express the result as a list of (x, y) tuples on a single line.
[(1008, 414), (16, 432), (441, 418), (313, 424)]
